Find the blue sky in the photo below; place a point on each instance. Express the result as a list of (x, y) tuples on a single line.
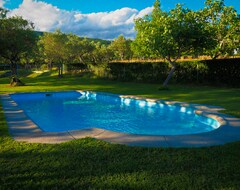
[(104, 19), (89, 6)]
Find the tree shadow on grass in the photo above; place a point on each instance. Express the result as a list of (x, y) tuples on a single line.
[(90, 163)]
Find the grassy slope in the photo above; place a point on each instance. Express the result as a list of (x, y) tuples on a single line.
[(94, 164)]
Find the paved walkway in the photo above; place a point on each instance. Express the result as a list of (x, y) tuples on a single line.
[(24, 129)]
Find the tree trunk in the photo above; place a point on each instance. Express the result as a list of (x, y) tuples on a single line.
[(14, 68), (170, 74), (60, 70), (49, 66), (16, 82)]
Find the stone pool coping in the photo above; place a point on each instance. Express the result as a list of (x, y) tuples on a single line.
[(22, 128)]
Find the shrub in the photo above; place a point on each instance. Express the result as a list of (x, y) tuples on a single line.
[(220, 71)]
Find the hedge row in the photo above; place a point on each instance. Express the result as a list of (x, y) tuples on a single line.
[(220, 71)]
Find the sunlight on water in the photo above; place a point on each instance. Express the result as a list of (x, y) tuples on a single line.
[(142, 103), (127, 101), (150, 104), (183, 109)]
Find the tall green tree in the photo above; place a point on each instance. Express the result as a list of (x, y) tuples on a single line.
[(121, 47), (224, 24), (54, 48), (171, 34), (142, 46), (17, 38), (79, 49), (102, 53)]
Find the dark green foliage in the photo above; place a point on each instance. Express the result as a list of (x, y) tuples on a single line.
[(76, 67), (16, 38), (101, 41), (39, 33), (224, 71), (147, 72), (191, 72)]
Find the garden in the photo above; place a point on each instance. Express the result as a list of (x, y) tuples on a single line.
[(192, 57)]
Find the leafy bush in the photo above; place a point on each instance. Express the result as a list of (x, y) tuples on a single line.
[(226, 71), (44, 67), (149, 72)]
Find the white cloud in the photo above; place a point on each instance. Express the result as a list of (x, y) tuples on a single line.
[(105, 25), (2, 2), (45, 16), (145, 11)]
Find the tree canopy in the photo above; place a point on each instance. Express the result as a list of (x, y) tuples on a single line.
[(121, 47), (79, 49), (224, 24), (54, 48), (16, 38), (182, 31)]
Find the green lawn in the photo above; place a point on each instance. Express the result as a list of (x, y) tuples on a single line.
[(94, 164)]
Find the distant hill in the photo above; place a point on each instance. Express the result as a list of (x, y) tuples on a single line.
[(106, 42)]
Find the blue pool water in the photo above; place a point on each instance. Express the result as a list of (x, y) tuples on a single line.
[(64, 111)]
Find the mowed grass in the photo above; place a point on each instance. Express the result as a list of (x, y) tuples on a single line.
[(93, 164)]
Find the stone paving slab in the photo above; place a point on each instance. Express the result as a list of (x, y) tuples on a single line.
[(44, 137), (92, 132), (133, 140), (22, 128)]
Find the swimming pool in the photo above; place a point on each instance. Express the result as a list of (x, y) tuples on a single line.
[(75, 110)]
